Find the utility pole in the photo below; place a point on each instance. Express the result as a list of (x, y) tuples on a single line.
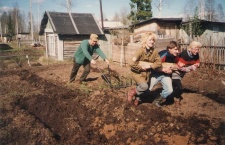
[(31, 22), (17, 27), (1, 30), (100, 1), (38, 24)]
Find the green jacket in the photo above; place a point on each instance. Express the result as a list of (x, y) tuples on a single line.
[(85, 51)]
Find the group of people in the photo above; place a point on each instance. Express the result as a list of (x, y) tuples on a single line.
[(146, 76)]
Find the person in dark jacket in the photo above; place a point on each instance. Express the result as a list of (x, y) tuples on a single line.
[(188, 61), (83, 57), (163, 75)]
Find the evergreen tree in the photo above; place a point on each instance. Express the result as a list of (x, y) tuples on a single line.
[(193, 27), (140, 10)]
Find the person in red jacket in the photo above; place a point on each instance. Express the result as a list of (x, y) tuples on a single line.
[(188, 61)]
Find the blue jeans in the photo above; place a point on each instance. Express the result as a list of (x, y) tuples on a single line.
[(165, 80)]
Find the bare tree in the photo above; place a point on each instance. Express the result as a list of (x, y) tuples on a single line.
[(190, 8), (221, 16), (4, 19), (210, 9), (15, 16), (116, 17), (22, 22), (160, 4), (123, 15), (68, 5)]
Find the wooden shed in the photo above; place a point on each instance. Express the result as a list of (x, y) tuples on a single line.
[(64, 31)]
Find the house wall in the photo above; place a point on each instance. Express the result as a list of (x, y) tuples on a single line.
[(171, 30), (208, 38), (70, 45), (212, 38), (153, 27), (60, 49), (162, 29), (214, 35)]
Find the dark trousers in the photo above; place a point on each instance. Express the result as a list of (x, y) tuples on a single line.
[(177, 88), (75, 69)]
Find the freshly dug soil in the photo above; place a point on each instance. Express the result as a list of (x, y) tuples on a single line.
[(39, 106)]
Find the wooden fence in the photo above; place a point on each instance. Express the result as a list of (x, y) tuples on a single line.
[(213, 55)]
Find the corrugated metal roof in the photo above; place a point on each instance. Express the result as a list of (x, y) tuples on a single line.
[(86, 23), (62, 23), (178, 20)]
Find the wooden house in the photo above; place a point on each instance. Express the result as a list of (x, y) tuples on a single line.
[(63, 32), (163, 27), (213, 33), (167, 29), (170, 28)]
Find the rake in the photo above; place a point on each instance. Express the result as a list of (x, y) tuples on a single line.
[(108, 80)]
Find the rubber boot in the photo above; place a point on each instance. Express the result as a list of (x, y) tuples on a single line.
[(131, 94), (158, 101)]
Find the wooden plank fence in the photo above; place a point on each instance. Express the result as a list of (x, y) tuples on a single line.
[(213, 55)]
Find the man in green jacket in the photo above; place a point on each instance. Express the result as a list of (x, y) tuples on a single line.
[(83, 57)]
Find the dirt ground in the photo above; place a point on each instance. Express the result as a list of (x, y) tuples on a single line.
[(39, 106)]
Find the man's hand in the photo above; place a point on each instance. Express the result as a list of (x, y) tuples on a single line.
[(144, 67), (93, 61), (107, 61)]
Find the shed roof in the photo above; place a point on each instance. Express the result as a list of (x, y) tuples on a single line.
[(112, 24), (74, 24), (175, 20)]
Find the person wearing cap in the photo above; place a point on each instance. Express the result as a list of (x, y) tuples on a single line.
[(83, 57)]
